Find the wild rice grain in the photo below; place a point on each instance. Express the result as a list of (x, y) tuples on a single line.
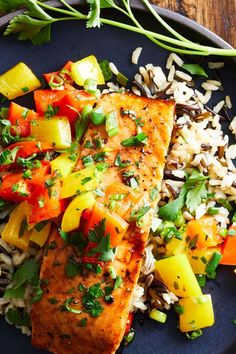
[(136, 55), (216, 65)]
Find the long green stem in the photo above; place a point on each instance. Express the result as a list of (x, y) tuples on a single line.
[(68, 6), (163, 23)]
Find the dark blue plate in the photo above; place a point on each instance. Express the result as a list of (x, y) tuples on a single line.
[(71, 40)]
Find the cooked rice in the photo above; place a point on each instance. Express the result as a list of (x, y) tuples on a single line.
[(136, 54), (216, 65), (113, 68)]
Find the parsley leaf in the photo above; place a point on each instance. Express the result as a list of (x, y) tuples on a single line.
[(94, 14), (195, 196)]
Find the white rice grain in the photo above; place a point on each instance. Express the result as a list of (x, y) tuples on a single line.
[(228, 102), (219, 106), (136, 54), (171, 73), (113, 68), (210, 87), (183, 76)]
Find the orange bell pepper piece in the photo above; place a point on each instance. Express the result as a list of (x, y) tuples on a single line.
[(20, 118), (205, 232), (229, 248)]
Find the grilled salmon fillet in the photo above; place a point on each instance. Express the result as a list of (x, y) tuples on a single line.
[(57, 323)]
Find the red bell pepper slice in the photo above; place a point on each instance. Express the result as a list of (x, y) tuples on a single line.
[(65, 74), (28, 148), (15, 188), (229, 248), (66, 102), (20, 118), (129, 323), (45, 201)]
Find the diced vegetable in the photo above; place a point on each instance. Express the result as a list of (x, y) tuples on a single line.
[(62, 164), (197, 313), (20, 118), (158, 316), (115, 225), (28, 148), (64, 74), (229, 248), (199, 258), (178, 276), (15, 232), (40, 235), (55, 131), (112, 123), (18, 81), (204, 232), (72, 214), (97, 115), (87, 68), (45, 200), (81, 181), (176, 246)]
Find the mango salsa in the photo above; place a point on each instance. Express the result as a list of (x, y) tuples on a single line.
[(178, 276), (197, 312), (18, 81)]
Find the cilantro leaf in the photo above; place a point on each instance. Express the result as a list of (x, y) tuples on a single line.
[(9, 5), (104, 4), (195, 196), (15, 293), (28, 28), (94, 14), (17, 317), (28, 271), (171, 210), (195, 69)]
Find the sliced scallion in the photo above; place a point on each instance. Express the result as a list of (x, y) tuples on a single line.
[(111, 119), (158, 316), (213, 263), (56, 82), (122, 79), (90, 86), (97, 116)]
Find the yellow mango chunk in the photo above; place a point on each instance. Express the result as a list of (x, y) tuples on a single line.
[(18, 81), (63, 164), (178, 276), (55, 131), (40, 237), (87, 68), (197, 313), (72, 215), (176, 246), (199, 258), (81, 181), (15, 232)]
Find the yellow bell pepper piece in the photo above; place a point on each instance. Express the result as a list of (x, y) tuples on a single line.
[(176, 246), (197, 313), (72, 215), (63, 164), (198, 258), (87, 68), (18, 81), (81, 181), (178, 276), (15, 232), (40, 237), (55, 131)]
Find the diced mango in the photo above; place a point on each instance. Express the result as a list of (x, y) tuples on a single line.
[(178, 276), (87, 68), (176, 246), (72, 215), (18, 81), (15, 232), (62, 164), (40, 237), (81, 181), (55, 131), (198, 258), (204, 230), (197, 313)]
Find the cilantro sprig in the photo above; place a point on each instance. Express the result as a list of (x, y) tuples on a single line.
[(191, 194), (35, 23)]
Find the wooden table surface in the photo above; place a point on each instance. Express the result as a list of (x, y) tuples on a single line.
[(217, 15)]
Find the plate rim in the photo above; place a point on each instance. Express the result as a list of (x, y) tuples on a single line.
[(137, 5)]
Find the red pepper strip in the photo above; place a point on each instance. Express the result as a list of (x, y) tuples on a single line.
[(64, 73), (45, 201), (129, 323), (229, 248), (15, 188), (28, 148), (45, 98), (20, 118)]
